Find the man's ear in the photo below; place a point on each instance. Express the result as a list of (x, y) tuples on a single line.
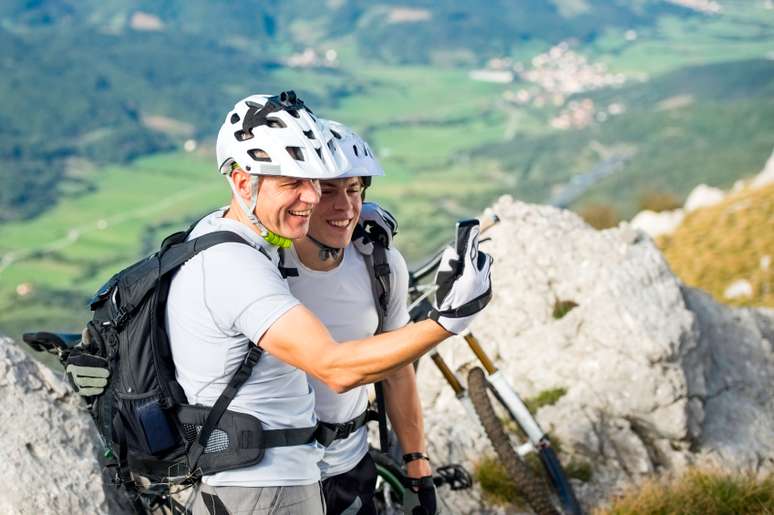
[(242, 183)]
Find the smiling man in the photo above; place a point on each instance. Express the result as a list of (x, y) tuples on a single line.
[(230, 304), (333, 278)]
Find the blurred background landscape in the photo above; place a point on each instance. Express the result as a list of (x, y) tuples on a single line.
[(607, 107)]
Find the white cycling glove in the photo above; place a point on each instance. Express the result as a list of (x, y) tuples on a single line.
[(463, 282)]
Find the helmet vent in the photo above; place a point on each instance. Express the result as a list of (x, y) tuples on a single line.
[(243, 135), (234, 118), (354, 147), (319, 152), (274, 123), (335, 134), (295, 153), (259, 155), (331, 146), (294, 113), (309, 134)]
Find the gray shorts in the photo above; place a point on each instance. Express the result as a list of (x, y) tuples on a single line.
[(267, 500)]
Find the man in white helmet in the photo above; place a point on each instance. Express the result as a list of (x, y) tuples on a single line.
[(232, 296), (332, 276)]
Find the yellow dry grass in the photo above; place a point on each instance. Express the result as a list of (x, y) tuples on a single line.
[(720, 244), (698, 492)]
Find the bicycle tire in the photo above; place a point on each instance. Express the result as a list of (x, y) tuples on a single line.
[(390, 474), (533, 488)]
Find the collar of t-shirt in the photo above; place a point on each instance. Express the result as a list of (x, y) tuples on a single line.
[(216, 222)]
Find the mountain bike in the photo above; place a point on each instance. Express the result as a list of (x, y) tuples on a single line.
[(490, 397)]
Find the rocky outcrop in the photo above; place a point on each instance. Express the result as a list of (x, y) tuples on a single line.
[(658, 375), (50, 447)]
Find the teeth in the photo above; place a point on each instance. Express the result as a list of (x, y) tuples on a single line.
[(339, 223), (305, 212)]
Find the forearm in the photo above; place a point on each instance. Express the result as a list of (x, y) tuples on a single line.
[(372, 359), (299, 339), (405, 409), (405, 412)]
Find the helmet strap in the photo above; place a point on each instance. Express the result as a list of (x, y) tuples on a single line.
[(249, 211), (325, 252)]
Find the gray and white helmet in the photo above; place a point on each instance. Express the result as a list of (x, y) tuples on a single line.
[(278, 135), (360, 160)]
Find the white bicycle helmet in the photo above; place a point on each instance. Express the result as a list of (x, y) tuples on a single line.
[(275, 135), (360, 162), (360, 159)]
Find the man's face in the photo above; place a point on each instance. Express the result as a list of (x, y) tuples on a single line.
[(285, 204), (335, 217)]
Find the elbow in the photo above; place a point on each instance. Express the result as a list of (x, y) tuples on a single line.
[(337, 379), (342, 383)]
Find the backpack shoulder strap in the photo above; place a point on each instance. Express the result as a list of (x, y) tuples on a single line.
[(176, 254), (285, 271), (379, 273)]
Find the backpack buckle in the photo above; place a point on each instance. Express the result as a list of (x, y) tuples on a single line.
[(345, 429), (252, 356)]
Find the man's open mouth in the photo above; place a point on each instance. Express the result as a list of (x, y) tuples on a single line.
[(340, 223)]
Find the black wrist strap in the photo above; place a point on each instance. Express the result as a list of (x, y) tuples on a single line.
[(419, 483), (412, 456)]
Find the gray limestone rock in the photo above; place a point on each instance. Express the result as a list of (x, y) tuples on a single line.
[(658, 375), (50, 446)]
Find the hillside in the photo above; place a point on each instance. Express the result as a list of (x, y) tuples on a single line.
[(101, 96), (137, 78), (712, 123), (718, 245)]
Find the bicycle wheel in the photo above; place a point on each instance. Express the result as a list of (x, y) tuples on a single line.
[(533, 488), (388, 496)]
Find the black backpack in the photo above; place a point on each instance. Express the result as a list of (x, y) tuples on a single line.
[(143, 416)]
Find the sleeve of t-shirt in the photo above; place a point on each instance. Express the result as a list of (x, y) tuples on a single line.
[(397, 310), (244, 290)]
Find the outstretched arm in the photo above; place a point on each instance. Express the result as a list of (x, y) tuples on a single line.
[(300, 339), (464, 288)]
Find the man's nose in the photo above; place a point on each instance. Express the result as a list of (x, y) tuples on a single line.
[(342, 200), (310, 193)]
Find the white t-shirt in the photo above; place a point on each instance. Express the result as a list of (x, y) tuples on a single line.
[(343, 300), (221, 299)]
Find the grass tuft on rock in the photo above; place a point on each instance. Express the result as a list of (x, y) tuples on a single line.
[(545, 398), (497, 486), (562, 307), (698, 492)]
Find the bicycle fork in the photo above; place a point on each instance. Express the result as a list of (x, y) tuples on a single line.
[(500, 386)]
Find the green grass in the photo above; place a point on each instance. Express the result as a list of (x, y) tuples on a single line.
[(414, 93), (676, 42), (497, 486)]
